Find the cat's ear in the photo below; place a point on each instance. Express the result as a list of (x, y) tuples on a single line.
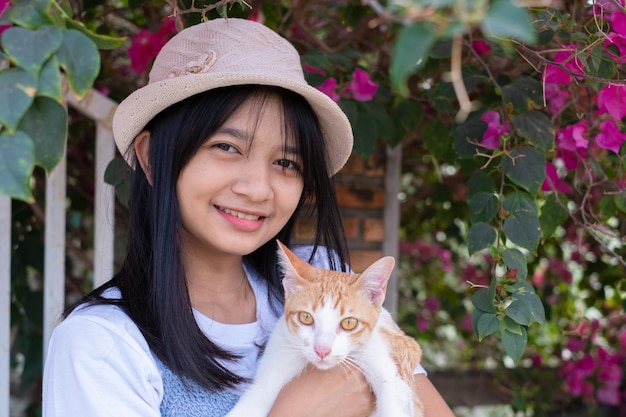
[(286, 260), (374, 279)]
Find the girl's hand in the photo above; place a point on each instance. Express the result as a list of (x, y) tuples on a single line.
[(337, 392)]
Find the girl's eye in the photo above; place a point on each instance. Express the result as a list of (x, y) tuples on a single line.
[(349, 323), (225, 147), (305, 318), (287, 164)]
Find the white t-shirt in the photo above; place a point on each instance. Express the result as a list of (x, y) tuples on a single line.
[(99, 363)]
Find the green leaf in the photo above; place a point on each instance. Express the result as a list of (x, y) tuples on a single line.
[(620, 201), (437, 138), (80, 59), (410, 53), (46, 124), (514, 344), (522, 224), (483, 207), (511, 326), (409, 113), (50, 81), (365, 135), (101, 41), (16, 165), (552, 214), (466, 136), (483, 298), (526, 167), (533, 307), (506, 20), (480, 182), (29, 49), (31, 14), (17, 89), (487, 324), (118, 174), (537, 128), (480, 236), (514, 259), (523, 94)]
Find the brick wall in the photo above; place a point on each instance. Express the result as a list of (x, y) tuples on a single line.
[(361, 195)]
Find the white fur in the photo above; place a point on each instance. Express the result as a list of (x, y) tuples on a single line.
[(286, 356)]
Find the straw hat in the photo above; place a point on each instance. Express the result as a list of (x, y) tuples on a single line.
[(226, 52)]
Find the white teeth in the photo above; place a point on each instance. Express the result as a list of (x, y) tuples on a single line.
[(240, 215)]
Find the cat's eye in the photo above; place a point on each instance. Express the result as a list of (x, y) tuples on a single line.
[(305, 318), (349, 323)]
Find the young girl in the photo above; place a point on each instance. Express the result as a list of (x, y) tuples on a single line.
[(229, 147)]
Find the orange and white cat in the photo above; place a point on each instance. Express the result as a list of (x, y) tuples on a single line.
[(335, 318)]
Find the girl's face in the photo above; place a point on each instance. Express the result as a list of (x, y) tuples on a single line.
[(236, 193)]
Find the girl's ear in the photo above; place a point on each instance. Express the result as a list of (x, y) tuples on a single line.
[(142, 150)]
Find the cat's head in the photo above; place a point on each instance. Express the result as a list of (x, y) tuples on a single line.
[(330, 313)]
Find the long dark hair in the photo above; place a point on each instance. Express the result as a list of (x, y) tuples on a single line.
[(152, 278)]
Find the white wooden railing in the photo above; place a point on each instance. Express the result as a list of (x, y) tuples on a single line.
[(99, 108)]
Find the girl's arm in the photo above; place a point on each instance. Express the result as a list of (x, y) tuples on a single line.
[(341, 392), (337, 392)]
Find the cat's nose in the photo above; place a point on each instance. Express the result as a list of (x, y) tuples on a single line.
[(322, 351)]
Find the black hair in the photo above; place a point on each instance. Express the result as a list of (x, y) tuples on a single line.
[(152, 279)]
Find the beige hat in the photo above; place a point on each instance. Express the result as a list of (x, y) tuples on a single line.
[(226, 52)]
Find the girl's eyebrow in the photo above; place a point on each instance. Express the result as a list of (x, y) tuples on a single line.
[(244, 135)]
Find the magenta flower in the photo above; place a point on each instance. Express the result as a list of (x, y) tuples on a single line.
[(145, 45), (4, 6), (552, 180), (556, 97), (481, 47), (329, 87), (495, 129), (571, 137), (610, 137), (431, 304), (361, 86), (619, 41), (312, 69), (618, 23), (567, 57), (611, 100)]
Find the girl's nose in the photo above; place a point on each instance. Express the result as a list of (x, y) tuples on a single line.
[(254, 181)]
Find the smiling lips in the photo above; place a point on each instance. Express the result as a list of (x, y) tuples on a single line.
[(239, 215)]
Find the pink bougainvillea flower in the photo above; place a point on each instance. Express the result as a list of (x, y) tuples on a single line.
[(145, 45), (555, 74), (495, 129), (610, 137), (422, 323), (481, 47), (571, 137), (329, 87), (362, 87), (4, 6), (312, 69), (552, 180), (431, 304), (619, 42), (618, 23), (556, 97), (611, 100)]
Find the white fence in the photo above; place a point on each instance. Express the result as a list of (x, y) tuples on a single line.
[(100, 109)]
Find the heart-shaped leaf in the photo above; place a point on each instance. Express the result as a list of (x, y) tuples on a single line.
[(80, 59), (16, 165), (17, 89), (526, 167), (31, 14), (410, 53), (522, 224), (46, 124), (29, 49), (50, 81)]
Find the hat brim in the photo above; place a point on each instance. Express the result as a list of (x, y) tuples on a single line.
[(133, 113)]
